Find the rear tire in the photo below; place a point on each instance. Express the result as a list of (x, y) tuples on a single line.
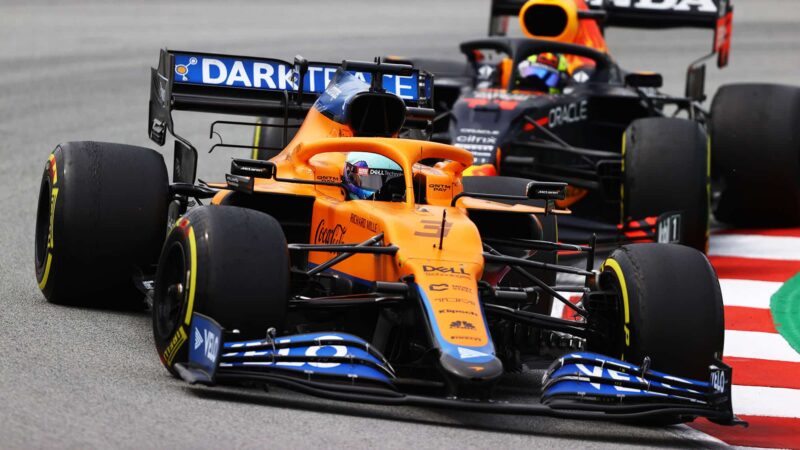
[(755, 142), (674, 303), (666, 169), (272, 137), (101, 217), (240, 277)]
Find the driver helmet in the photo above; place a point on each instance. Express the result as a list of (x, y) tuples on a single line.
[(366, 173), (546, 72)]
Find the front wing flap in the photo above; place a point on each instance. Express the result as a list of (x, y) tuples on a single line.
[(331, 356), (585, 380), (344, 367)]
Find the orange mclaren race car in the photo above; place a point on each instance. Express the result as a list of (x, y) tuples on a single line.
[(554, 105), (357, 266)]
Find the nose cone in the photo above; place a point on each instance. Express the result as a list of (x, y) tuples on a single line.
[(478, 371), (458, 328)]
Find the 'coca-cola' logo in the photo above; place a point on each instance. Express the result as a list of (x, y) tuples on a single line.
[(330, 236)]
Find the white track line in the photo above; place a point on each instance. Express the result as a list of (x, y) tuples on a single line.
[(739, 447), (558, 307), (755, 246), (757, 345), (752, 294), (766, 401)]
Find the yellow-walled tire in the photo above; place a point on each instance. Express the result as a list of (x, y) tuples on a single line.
[(226, 262), (101, 219), (670, 308), (272, 137)]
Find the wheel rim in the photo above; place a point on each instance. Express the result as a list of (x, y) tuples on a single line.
[(170, 292), (612, 320), (42, 223)]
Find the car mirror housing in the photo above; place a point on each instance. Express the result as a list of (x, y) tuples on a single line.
[(644, 80)]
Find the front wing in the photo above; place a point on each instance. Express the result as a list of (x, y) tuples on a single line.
[(340, 366)]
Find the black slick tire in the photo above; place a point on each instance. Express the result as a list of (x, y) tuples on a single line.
[(101, 217), (272, 137), (666, 169), (755, 141), (228, 263), (671, 308)]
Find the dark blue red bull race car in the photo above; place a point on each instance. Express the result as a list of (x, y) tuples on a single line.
[(554, 105)]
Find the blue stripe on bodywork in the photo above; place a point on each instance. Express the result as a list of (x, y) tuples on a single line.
[(452, 349), (308, 345)]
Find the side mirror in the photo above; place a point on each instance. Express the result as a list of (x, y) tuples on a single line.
[(696, 83), (542, 190), (245, 171), (184, 167), (644, 80), (254, 168)]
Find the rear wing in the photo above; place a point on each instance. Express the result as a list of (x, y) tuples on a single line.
[(252, 86), (715, 15)]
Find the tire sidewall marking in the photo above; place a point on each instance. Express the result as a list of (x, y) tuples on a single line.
[(175, 344), (614, 267), (180, 337), (52, 170), (192, 276)]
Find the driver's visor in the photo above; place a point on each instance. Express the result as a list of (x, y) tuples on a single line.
[(372, 179), (548, 75)]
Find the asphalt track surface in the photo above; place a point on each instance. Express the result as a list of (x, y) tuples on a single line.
[(87, 378)]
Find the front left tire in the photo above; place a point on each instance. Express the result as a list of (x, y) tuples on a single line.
[(228, 263)]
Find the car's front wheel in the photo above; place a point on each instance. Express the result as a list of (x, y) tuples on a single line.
[(669, 308), (226, 262)]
